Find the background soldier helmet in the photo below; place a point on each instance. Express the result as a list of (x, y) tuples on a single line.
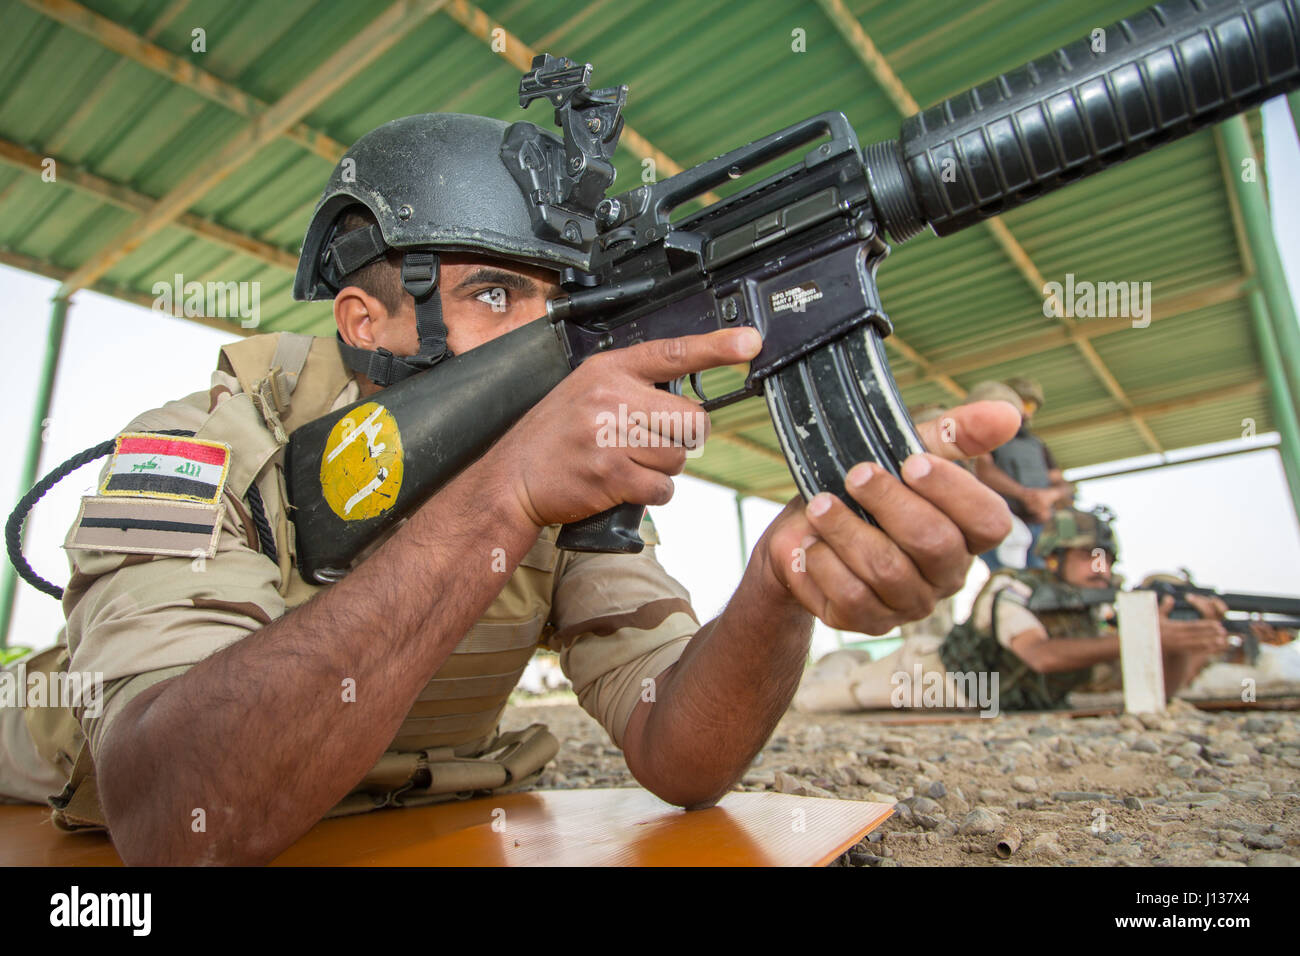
[(995, 392), (1028, 389), (1072, 528)]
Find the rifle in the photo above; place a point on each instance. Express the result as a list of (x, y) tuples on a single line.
[(793, 255), (1270, 607)]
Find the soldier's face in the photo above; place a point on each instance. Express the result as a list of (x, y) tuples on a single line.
[(482, 298), (1086, 569)]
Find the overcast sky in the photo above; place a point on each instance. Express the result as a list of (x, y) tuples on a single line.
[(1229, 521)]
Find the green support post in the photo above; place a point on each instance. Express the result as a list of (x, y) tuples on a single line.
[(1283, 401), (1293, 100), (740, 523), (1263, 248), (32, 461)]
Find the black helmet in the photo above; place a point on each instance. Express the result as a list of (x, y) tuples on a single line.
[(451, 181), (435, 181), (431, 180)]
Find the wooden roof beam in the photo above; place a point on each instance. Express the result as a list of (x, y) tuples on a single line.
[(123, 196), (1245, 390), (1108, 380), (40, 267), (1024, 347), (91, 103), (113, 36), (391, 26)]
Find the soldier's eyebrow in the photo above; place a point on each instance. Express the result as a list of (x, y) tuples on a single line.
[(484, 275)]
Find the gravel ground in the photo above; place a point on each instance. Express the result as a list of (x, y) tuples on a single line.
[(1188, 788)]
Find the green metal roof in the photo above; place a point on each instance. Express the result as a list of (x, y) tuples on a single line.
[(161, 169)]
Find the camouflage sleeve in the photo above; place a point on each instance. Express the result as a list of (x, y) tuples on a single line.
[(135, 619), (1013, 614), (620, 621)]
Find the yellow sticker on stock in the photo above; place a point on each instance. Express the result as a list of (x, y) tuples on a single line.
[(361, 467)]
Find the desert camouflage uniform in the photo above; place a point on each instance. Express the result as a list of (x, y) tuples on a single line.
[(139, 619)]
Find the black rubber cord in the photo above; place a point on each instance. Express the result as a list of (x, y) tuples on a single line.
[(14, 526), (264, 535)]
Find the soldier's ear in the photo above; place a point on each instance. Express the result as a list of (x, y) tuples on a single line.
[(355, 314)]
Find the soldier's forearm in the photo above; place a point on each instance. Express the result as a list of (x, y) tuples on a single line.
[(266, 735), (1067, 653), (718, 705)]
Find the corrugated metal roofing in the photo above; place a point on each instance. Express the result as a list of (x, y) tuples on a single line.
[(115, 93)]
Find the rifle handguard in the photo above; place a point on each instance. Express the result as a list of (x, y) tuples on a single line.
[(1161, 74)]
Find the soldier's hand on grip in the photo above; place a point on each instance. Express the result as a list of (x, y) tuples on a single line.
[(606, 435), (1205, 635)]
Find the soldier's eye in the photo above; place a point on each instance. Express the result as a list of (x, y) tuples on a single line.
[(497, 298)]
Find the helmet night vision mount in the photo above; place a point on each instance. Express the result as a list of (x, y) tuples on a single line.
[(566, 185)]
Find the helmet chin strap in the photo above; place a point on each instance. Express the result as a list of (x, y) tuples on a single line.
[(420, 279), (360, 247)]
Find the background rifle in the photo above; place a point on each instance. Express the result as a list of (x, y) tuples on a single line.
[(1270, 607), (794, 255)]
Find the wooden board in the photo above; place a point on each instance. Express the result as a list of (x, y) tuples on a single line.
[(627, 827)]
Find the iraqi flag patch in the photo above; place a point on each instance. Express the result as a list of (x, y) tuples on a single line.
[(146, 465)]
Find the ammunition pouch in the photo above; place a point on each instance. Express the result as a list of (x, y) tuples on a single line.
[(513, 761)]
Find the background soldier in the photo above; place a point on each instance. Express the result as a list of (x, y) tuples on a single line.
[(1024, 473), (1042, 656)]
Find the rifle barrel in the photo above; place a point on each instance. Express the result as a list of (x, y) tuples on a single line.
[(1147, 80), (1262, 603)]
